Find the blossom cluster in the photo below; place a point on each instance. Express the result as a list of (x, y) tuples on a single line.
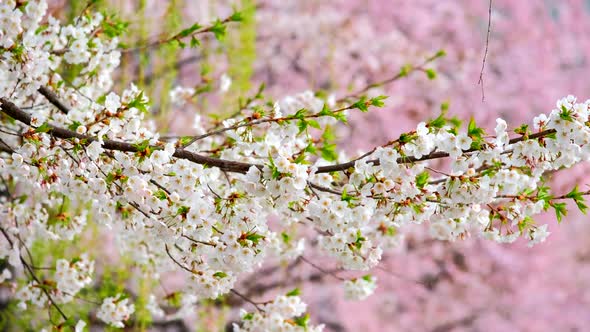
[(284, 313), (71, 277), (115, 310), (360, 288), (83, 154)]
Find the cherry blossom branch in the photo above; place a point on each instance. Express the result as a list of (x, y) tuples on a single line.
[(35, 278), (405, 71), (231, 166), (183, 34), (261, 121), (228, 165), (176, 261), (433, 155)]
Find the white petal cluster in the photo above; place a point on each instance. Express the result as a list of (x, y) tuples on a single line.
[(72, 276), (31, 293), (285, 313), (179, 95), (538, 235), (5, 275), (115, 310), (360, 288)]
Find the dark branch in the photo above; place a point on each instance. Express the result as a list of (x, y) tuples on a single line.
[(227, 165), (54, 99)]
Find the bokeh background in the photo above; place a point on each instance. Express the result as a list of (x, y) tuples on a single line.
[(539, 51)]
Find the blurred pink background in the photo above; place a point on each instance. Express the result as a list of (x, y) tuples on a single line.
[(538, 52)]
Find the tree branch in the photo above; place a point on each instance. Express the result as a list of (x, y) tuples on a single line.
[(227, 165), (433, 155), (54, 99)]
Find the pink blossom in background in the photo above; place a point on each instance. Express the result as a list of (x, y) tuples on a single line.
[(538, 52)]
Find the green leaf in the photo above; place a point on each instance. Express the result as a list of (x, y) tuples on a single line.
[(236, 17), (274, 170), (22, 199), (358, 243), (183, 210), (141, 146), (368, 277), (161, 195), (194, 42), (578, 198), (41, 28), (406, 138), (560, 210), (346, 197), (328, 152), (218, 30), (391, 231), (302, 125), (476, 134), (439, 122), (300, 114), (302, 321), (422, 179), (378, 101), (311, 148), (139, 103), (430, 73), (174, 299), (574, 193), (441, 53), (254, 237), (112, 26), (544, 195), (314, 124), (188, 31), (525, 223), (301, 158), (361, 104), (185, 140), (340, 117), (405, 70), (566, 114), (456, 122), (74, 125), (325, 111), (522, 130), (473, 129), (286, 238), (294, 292), (45, 127), (220, 274), (101, 99)]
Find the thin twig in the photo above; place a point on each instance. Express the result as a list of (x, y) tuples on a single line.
[(485, 55), (401, 74), (243, 297), (319, 268)]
